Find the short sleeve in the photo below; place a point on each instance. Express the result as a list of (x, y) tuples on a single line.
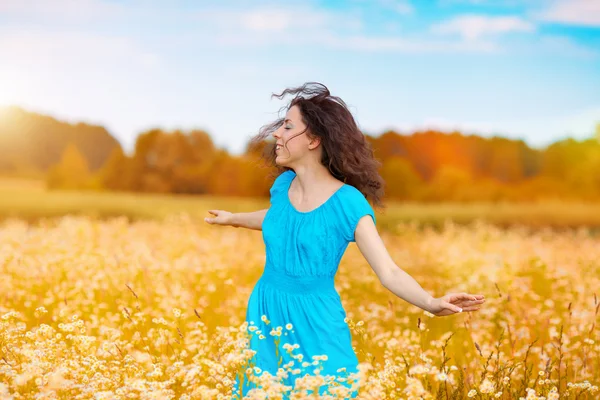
[(355, 207), (277, 188)]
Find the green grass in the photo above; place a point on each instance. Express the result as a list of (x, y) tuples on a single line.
[(30, 201)]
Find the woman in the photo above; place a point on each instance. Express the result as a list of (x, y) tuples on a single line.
[(318, 207)]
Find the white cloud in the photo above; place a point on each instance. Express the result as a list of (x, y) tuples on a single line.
[(24, 47), (358, 43), (61, 9), (576, 12), (402, 45), (402, 7), (292, 24), (306, 26), (474, 27), (270, 20), (277, 19)]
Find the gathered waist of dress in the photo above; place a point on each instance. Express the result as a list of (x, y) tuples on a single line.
[(297, 284)]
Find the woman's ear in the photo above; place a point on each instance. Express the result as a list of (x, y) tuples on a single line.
[(314, 142)]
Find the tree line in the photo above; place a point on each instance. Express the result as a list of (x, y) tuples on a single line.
[(422, 166)]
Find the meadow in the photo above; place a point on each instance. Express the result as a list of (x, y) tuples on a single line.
[(151, 304), (29, 200)]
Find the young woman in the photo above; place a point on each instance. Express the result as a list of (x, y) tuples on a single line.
[(318, 207)]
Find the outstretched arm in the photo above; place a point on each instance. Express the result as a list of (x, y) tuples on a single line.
[(250, 220), (401, 283)]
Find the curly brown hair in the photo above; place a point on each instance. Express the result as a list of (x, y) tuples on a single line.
[(346, 152)]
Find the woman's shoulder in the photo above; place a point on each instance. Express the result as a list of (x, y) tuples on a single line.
[(354, 206), (287, 174), (282, 180), (284, 177), (351, 193), (353, 200)]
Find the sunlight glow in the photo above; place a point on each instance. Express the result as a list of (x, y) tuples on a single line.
[(16, 87), (8, 93)]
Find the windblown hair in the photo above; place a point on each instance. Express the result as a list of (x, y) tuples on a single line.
[(346, 152)]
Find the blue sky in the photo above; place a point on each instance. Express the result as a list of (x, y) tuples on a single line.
[(525, 69)]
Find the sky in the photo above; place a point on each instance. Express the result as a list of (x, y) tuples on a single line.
[(525, 69)]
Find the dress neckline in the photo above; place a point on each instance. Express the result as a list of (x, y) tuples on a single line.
[(287, 197)]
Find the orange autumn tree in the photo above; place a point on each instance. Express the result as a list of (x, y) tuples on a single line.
[(72, 171)]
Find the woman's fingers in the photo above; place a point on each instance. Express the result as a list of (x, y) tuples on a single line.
[(212, 220), (460, 309), (456, 297), (451, 306), (462, 302), (468, 303), (221, 217), (467, 296), (472, 308)]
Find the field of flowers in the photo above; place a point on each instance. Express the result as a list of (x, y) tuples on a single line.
[(112, 309)]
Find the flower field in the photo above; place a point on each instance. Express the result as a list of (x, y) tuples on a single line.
[(154, 309)]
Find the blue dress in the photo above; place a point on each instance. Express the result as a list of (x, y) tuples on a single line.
[(296, 290)]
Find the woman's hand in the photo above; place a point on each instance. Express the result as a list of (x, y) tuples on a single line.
[(455, 302), (222, 217)]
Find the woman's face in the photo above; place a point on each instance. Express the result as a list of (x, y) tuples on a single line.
[(291, 143)]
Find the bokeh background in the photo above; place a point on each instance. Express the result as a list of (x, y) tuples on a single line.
[(123, 122)]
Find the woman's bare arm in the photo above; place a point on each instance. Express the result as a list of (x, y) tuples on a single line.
[(250, 220), (401, 283)]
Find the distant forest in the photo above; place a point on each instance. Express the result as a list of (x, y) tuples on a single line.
[(422, 166)]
